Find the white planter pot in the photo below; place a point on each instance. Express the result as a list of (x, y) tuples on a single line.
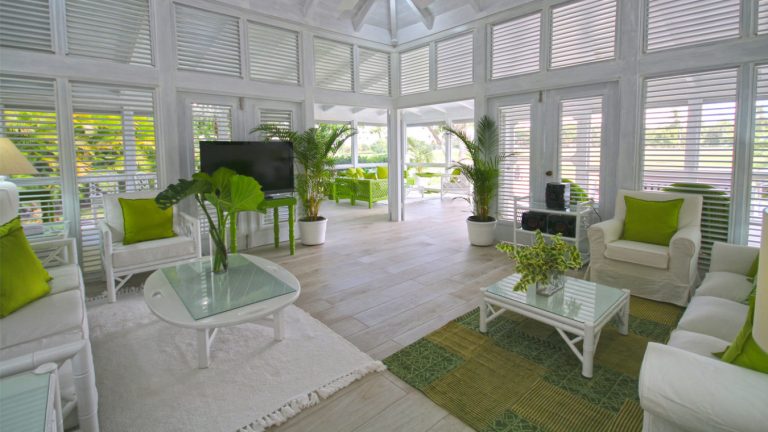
[(312, 232), (481, 233)]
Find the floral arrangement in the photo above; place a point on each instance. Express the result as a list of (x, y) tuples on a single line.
[(539, 262)]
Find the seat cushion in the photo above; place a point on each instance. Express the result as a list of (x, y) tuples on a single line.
[(65, 278), (646, 254), (714, 316), (726, 285), (698, 343), (154, 251)]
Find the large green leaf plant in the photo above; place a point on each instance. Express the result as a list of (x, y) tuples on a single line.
[(229, 193)]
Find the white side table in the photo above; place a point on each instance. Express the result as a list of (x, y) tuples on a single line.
[(37, 233), (31, 401)]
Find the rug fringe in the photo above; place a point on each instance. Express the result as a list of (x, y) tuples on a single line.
[(294, 406), (123, 291)]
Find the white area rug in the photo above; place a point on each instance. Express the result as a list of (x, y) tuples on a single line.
[(148, 380)]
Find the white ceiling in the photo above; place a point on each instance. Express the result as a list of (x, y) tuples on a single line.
[(371, 19)]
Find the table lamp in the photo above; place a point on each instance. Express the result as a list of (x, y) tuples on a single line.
[(760, 325), (12, 162)]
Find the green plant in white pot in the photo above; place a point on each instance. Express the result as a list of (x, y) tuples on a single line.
[(482, 171), (543, 264), (313, 151)]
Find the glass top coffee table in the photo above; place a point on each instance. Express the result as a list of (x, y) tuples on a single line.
[(580, 309), (189, 295)]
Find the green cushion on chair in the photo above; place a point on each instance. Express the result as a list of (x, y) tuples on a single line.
[(23, 279), (370, 176), (382, 172), (744, 351), (652, 222), (350, 172), (144, 220)]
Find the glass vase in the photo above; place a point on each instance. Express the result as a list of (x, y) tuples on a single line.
[(554, 283), (219, 257)]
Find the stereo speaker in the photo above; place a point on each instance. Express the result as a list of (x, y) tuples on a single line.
[(558, 195), (562, 224), (533, 221)]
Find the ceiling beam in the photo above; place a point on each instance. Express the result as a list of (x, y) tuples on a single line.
[(475, 4), (360, 11), (426, 16), (309, 7), (393, 21)]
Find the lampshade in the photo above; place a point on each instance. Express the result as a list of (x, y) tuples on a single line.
[(12, 161), (760, 326)]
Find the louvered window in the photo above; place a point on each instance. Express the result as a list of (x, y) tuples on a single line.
[(759, 190), (333, 65), (207, 41), (273, 53), (373, 72), (762, 17), (25, 24), (414, 71), (581, 126), (116, 30), (515, 139), (515, 46), (210, 123), (454, 61), (114, 131), (673, 23), (688, 136), (583, 32), (28, 119)]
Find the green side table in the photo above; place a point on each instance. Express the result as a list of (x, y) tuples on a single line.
[(274, 204)]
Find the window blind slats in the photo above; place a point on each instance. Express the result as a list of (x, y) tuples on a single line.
[(515, 46), (580, 139), (414, 71), (759, 190), (273, 53), (284, 120), (333, 65), (673, 23), (114, 131), (515, 138), (454, 61), (116, 30), (688, 137), (762, 17), (374, 72), (207, 41), (25, 24), (583, 32)]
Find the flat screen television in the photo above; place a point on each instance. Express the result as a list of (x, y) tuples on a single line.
[(269, 162)]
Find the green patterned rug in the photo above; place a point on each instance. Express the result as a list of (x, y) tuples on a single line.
[(521, 376)]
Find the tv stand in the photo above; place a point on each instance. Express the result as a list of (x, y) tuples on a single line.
[(274, 202)]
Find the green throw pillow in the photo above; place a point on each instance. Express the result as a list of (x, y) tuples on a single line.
[(744, 351), (382, 172), (23, 279), (143, 220), (752, 272), (652, 222), (350, 172), (370, 176)]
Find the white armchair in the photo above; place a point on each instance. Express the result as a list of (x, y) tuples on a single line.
[(453, 183), (663, 273), (122, 261)]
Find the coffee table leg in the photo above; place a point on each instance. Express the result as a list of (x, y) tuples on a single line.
[(588, 353), (279, 324), (203, 348), (624, 317), (483, 314)]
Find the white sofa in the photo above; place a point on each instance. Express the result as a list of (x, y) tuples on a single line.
[(683, 386)]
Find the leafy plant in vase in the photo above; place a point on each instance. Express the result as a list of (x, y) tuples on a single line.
[(229, 193), (313, 151), (542, 264)]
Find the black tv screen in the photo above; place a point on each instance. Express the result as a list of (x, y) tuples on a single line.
[(269, 162)]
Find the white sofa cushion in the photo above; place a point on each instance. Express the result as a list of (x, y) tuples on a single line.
[(169, 249), (726, 285), (697, 343), (645, 254), (714, 316)]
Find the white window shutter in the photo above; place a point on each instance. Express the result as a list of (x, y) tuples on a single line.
[(581, 127), (454, 61), (374, 72), (273, 54), (583, 32), (514, 139), (277, 117), (333, 65), (515, 46), (414, 71), (207, 41), (759, 190), (25, 24), (114, 131), (673, 23), (116, 30), (762, 17), (688, 137)]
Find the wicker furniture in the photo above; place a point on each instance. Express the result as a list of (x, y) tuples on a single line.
[(366, 190)]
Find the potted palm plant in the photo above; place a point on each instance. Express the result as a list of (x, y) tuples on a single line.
[(313, 151), (482, 171)]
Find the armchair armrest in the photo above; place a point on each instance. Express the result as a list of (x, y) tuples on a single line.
[(687, 241), (732, 258), (189, 226), (672, 386), (105, 234), (600, 234), (56, 252)]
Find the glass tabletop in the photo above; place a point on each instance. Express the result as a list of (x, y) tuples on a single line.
[(580, 300), (24, 402), (204, 293)]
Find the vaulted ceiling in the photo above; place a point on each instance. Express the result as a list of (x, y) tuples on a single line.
[(386, 21)]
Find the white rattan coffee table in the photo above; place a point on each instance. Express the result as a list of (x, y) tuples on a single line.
[(189, 295), (578, 312)]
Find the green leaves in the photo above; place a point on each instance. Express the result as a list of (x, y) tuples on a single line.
[(174, 193), (535, 263)]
